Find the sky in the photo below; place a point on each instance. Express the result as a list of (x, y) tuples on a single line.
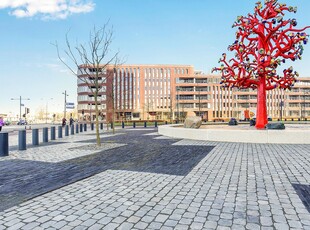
[(185, 32)]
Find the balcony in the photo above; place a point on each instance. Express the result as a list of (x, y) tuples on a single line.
[(188, 89), (200, 81), (182, 81)]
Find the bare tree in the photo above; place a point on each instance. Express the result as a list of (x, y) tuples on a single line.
[(91, 62), (148, 106)]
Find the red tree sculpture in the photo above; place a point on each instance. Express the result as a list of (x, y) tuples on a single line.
[(264, 40)]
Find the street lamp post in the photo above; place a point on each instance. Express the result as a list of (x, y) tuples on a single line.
[(20, 105), (65, 106)]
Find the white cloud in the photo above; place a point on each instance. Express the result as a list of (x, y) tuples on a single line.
[(47, 9)]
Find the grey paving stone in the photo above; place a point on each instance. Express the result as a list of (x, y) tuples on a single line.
[(185, 221), (75, 223), (294, 224), (161, 218), (210, 224), (281, 226), (141, 225), (237, 227), (253, 219), (235, 186), (96, 216), (96, 227), (266, 221), (60, 224), (213, 218), (29, 226), (171, 223), (155, 225), (253, 226), (89, 222), (16, 226), (126, 226), (225, 222), (196, 225), (111, 226)]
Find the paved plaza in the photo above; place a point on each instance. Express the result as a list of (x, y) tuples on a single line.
[(139, 179)]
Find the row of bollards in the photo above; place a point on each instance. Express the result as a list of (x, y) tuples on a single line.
[(134, 124), (22, 145)]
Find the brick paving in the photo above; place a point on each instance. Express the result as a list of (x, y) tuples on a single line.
[(146, 181)]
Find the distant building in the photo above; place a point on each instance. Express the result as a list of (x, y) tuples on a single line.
[(169, 92)]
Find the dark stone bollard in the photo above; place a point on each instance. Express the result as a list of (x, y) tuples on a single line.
[(92, 126), (53, 133), (145, 124), (35, 137), (275, 126), (67, 130), (85, 127), (134, 124), (101, 126), (81, 128), (123, 125), (252, 122), (22, 140), (4, 144), (77, 128), (59, 131), (45, 134), (155, 124), (72, 130)]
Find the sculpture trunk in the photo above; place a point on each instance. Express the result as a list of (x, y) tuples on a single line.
[(261, 110)]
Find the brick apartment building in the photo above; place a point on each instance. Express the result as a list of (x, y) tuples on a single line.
[(169, 92)]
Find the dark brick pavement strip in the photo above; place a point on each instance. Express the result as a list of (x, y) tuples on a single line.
[(21, 180), (303, 191)]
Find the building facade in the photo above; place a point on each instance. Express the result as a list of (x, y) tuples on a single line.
[(169, 92)]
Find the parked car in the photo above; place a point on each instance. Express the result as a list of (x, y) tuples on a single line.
[(7, 122), (22, 122)]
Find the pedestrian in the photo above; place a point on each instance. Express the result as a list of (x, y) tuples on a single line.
[(71, 121), (64, 122), (1, 123)]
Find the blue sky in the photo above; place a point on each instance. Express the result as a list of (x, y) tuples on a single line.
[(193, 32)]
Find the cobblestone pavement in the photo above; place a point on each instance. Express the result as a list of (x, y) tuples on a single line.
[(141, 180)]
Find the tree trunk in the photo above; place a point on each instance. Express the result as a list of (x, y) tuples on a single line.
[(97, 120), (261, 110)]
